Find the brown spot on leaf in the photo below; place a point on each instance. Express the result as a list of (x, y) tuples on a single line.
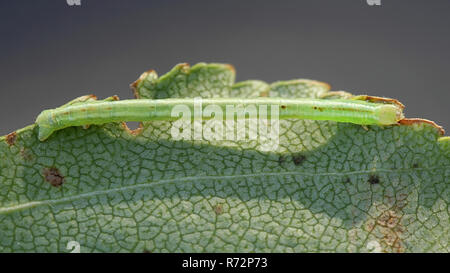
[(53, 176), (415, 165), (231, 68), (11, 138), (411, 121), (283, 106), (388, 219), (298, 159), (374, 179), (26, 155), (218, 209)]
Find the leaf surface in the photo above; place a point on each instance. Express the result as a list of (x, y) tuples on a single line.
[(327, 187)]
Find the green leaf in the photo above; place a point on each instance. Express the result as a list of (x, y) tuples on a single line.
[(328, 187)]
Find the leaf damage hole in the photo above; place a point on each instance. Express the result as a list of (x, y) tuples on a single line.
[(53, 176), (298, 159), (318, 108), (133, 128), (412, 121), (11, 138), (374, 179)]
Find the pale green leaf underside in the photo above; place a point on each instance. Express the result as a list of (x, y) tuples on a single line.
[(127, 193)]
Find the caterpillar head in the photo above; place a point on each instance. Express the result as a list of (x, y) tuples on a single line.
[(45, 124), (389, 114)]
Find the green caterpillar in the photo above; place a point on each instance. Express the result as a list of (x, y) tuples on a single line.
[(86, 111)]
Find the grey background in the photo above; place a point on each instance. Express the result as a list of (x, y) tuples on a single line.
[(51, 53)]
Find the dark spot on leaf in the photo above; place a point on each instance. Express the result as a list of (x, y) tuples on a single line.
[(401, 201), (373, 179), (347, 180), (11, 138), (283, 106), (415, 165), (53, 176), (218, 209), (298, 159), (281, 159)]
